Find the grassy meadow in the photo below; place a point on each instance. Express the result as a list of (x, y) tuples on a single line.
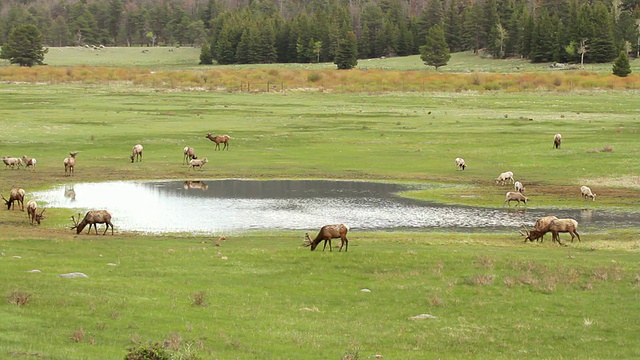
[(262, 295)]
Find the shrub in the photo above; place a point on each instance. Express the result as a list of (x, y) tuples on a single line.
[(149, 352)]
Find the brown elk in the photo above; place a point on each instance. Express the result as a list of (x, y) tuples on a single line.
[(16, 195), (219, 139), (189, 154), (556, 227), (32, 212), (557, 140), (70, 163), (327, 233), (93, 218), (136, 153)]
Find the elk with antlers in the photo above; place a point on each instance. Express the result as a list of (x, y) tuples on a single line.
[(32, 212), (556, 227), (219, 139), (70, 163), (327, 233), (136, 153), (93, 218), (16, 195)]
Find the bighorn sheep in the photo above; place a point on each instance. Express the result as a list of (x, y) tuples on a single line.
[(586, 193), (189, 154), (32, 212), (93, 218), (515, 196), (556, 227), (136, 153), (70, 163), (460, 164), (12, 161), (504, 178), (518, 187), (327, 233), (541, 226), (219, 139), (198, 163), (17, 194), (29, 162), (195, 185), (557, 140)]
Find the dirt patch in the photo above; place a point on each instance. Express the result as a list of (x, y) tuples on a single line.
[(628, 181)]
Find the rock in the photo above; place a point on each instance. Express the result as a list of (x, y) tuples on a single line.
[(74, 275), (34, 271), (366, 290), (422, 317)]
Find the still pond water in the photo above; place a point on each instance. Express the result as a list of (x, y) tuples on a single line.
[(227, 206)]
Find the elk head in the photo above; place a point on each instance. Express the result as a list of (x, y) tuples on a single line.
[(531, 235), (39, 217), (307, 240), (76, 223), (7, 202)]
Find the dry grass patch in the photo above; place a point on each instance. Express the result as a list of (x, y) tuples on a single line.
[(77, 335), (480, 279), (19, 298)]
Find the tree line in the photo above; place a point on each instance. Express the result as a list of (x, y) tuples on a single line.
[(303, 31)]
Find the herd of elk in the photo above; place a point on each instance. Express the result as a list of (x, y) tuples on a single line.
[(93, 218), (327, 233)]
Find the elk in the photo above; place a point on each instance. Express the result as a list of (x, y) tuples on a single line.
[(32, 212), (540, 227), (557, 140), (136, 153), (327, 233), (198, 163), (219, 139), (586, 193), (189, 154), (504, 178), (16, 195), (12, 161), (29, 162), (556, 227), (70, 163), (460, 164), (93, 218), (518, 187), (515, 196)]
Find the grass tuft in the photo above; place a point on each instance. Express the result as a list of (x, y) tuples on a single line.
[(19, 298)]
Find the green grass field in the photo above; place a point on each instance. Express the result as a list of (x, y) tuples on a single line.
[(263, 295)]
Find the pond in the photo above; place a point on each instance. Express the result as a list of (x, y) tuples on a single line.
[(232, 205)]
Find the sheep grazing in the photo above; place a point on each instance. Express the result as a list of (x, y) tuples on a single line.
[(136, 154), (557, 140), (93, 218), (189, 154), (12, 161), (219, 139), (70, 163), (198, 163), (515, 196), (29, 162), (32, 212), (518, 187), (586, 193), (504, 178), (460, 164), (327, 233), (16, 195)]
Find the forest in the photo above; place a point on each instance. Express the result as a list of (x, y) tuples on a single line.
[(306, 31)]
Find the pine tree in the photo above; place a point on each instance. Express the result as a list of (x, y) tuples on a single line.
[(205, 54), (436, 51), (347, 56), (621, 66), (25, 46)]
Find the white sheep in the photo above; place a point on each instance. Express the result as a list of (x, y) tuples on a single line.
[(518, 186), (460, 164), (12, 161), (586, 193), (198, 163), (505, 177)]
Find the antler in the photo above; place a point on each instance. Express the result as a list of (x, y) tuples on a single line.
[(307, 240), (75, 222)]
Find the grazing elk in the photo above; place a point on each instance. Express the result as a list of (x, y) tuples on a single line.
[(327, 233), (93, 218), (556, 226), (16, 195), (29, 162), (198, 163), (518, 187), (12, 161), (189, 154), (70, 163), (515, 196), (540, 228), (557, 140), (586, 193), (505, 177), (460, 164), (32, 212), (136, 154), (219, 139)]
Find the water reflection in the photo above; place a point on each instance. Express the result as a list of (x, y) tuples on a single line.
[(224, 206)]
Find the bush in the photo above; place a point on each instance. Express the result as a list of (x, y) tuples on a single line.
[(150, 352)]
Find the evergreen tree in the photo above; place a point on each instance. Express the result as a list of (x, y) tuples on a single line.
[(347, 55), (435, 52), (25, 46), (621, 66), (543, 39), (205, 54)]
